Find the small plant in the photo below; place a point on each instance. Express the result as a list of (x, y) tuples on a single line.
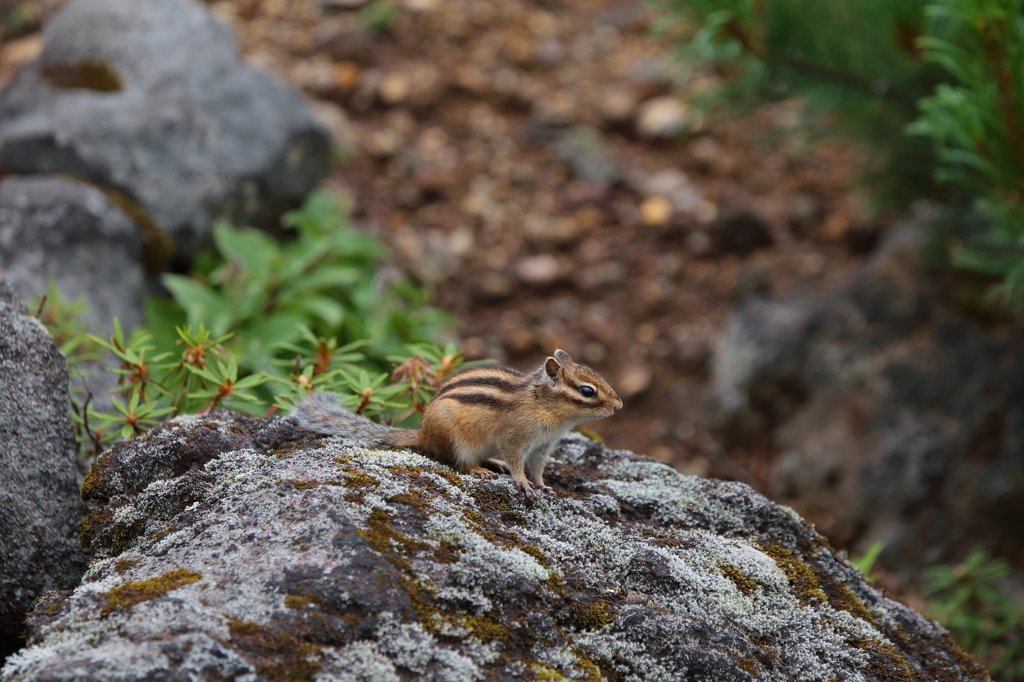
[(969, 600), (866, 561), (203, 376), (379, 15), (64, 322)]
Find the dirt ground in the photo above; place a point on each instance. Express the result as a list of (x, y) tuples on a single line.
[(542, 165)]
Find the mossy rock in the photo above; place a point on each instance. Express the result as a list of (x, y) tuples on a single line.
[(342, 562)]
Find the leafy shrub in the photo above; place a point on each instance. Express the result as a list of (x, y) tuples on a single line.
[(329, 279), (977, 123), (935, 88), (204, 376), (970, 602), (259, 324)]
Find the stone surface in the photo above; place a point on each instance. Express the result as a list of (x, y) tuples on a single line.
[(891, 418), (662, 117), (59, 229), (242, 548), (150, 97), (39, 504)]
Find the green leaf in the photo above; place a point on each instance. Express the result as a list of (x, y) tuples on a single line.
[(202, 304), (254, 249)]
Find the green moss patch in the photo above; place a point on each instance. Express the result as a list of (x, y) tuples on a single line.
[(304, 483), (546, 672), (92, 484), (802, 580), (94, 523), (840, 597), (447, 552), (381, 535), (130, 594), (495, 500), (742, 582), (358, 481), (123, 535), (885, 663), (748, 665), (92, 75), (593, 617), (300, 601)]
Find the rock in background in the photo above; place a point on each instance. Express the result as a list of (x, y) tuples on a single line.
[(891, 417), (59, 229), (243, 548), (40, 507), (151, 98)]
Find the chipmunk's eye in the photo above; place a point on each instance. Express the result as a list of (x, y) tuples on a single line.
[(587, 391)]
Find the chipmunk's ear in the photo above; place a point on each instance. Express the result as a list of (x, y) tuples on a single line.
[(563, 357), (551, 367)]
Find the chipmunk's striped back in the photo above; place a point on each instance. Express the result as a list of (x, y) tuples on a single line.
[(492, 386)]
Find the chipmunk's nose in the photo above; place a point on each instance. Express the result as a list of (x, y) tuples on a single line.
[(619, 406)]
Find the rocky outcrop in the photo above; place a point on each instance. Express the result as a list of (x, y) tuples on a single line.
[(150, 98), (68, 232), (891, 417), (39, 504), (240, 548)]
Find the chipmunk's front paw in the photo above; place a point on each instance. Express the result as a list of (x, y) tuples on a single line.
[(526, 488), (539, 484)]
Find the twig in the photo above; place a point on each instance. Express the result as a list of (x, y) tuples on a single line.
[(42, 304), (85, 421)]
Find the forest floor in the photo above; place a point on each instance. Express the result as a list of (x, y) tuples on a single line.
[(541, 165)]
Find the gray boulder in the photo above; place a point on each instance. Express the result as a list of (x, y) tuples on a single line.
[(891, 418), (40, 507), (240, 548), (59, 229), (150, 97)]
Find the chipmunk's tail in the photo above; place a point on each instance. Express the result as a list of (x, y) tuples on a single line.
[(321, 413)]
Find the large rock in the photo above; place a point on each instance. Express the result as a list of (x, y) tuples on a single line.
[(891, 417), (62, 230), (150, 97), (39, 504), (239, 548)]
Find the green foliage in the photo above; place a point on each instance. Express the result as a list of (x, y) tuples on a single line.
[(15, 20), (203, 375), (330, 280), (64, 322), (261, 324), (977, 125), (935, 88), (969, 600), (866, 561), (379, 15)]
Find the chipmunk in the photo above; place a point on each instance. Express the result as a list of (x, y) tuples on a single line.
[(485, 420)]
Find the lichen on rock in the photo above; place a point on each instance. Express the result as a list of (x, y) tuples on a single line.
[(290, 556)]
